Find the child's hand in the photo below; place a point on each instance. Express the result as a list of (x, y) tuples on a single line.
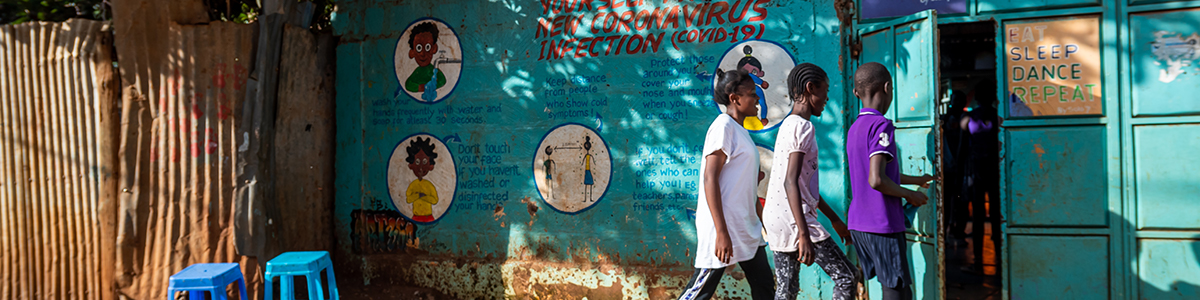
[(917, 198), (724, 247), (843, 232), (925, 179), (804, 247)]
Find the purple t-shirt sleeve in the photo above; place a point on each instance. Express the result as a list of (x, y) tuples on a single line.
[(979, 126), (883, 140)]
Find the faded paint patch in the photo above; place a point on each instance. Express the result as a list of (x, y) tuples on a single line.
[(1176, 51), (541, 280), (498, 212), (1037, 148), (532, 208), (538, 280), (469, 280)]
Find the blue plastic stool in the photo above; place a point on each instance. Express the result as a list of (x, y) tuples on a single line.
[(308, 264), (212, 278)]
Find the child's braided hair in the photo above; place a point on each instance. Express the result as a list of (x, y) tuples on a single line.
[(800, 76)]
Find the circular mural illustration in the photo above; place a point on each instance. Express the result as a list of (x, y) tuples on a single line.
[(572, 168), (421, 178), (769, 63), (428, 60)]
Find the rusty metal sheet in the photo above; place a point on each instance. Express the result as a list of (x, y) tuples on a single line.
[(58, 92), (184, 212), (183, 87)]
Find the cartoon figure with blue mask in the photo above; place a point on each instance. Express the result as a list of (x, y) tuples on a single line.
[(426, 78), (754, 67)]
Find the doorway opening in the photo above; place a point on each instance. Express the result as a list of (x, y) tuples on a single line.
[(970, 140)]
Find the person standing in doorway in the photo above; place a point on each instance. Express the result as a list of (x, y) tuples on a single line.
[(956, 161), (982, 125)]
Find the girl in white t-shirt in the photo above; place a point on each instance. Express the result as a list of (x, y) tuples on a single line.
[(728, 229), (793, 196)]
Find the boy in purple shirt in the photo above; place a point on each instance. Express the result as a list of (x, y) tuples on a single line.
[(876, 214)]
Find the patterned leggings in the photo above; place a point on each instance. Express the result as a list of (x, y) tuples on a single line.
[(829, 257)]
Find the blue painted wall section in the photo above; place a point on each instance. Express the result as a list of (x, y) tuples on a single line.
[(567, 136), (549, 148)]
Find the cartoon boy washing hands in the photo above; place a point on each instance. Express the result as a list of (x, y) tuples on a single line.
[(421, 193), (422, 43)]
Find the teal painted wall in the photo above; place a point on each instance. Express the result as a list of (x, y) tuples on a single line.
[(1114, 202), (644, 112)]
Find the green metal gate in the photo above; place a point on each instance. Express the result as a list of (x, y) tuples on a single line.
[(907, 46), (1098, 185)]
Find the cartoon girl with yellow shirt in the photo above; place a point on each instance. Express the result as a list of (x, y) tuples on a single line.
[(421, 193)]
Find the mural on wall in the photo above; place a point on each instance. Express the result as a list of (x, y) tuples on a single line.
[(421, 178), (752, 56), (428, 60), (382, 231), (572, 168), (1175, 52), (614, 89), (1053, 67)]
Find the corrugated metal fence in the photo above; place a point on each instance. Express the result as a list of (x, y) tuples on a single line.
[(184, 90), (58, 92), (62, 206), (111, 183)]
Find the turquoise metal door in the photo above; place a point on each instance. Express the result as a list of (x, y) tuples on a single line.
[(1058, 160), (1161, 128), (908, 48)]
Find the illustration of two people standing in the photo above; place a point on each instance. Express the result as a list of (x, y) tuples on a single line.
[(589, 181)]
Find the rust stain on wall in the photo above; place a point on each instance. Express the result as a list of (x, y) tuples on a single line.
[(532, 207), (845, 12)]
